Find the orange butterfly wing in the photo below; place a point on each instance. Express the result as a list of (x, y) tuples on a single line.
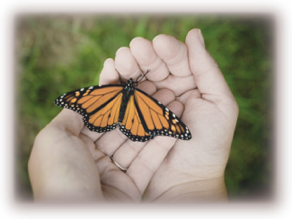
[(145, 118), (100, 105), (132, 124), (140, 116)]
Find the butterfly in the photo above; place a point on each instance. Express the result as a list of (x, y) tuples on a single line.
[(139, 116)]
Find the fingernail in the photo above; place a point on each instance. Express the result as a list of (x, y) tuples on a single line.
[(121, 48), (134, 39), (201, 38), (158, 36), (108, 61)]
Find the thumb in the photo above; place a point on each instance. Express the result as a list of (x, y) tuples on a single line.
[(68, 121), (206, 72)]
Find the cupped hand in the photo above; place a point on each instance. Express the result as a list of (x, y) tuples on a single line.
[(194, 170), (70, 162), (189, 82)]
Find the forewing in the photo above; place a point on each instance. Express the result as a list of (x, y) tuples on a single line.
[(158, 119), (100, 105)]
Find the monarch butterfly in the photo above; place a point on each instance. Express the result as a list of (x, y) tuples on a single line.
[(139, 116)]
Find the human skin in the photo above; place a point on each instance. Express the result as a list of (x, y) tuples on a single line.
[(70, 163)]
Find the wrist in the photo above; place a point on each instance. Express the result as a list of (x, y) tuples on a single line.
[(208, 190)]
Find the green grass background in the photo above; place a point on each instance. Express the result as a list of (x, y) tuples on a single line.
[(58, 53)]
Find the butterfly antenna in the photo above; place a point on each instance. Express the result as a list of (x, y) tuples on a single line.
[(141, 76)]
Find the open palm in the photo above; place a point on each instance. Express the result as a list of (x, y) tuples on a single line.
[(185, 79)]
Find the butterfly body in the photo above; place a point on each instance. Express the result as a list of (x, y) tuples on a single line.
[(139, 116), (127, 92)]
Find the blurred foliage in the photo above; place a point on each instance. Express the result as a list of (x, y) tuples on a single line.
[(59, 53)]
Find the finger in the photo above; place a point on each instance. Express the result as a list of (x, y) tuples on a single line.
[(174, 54), (147, 59), (178, 85), (68, 121), (194, 93), (111, 141), (148, 87), (152, 155), (109, 75), (207, 75), (126, 64), (91, 134), (118, 182), (129, 150)]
